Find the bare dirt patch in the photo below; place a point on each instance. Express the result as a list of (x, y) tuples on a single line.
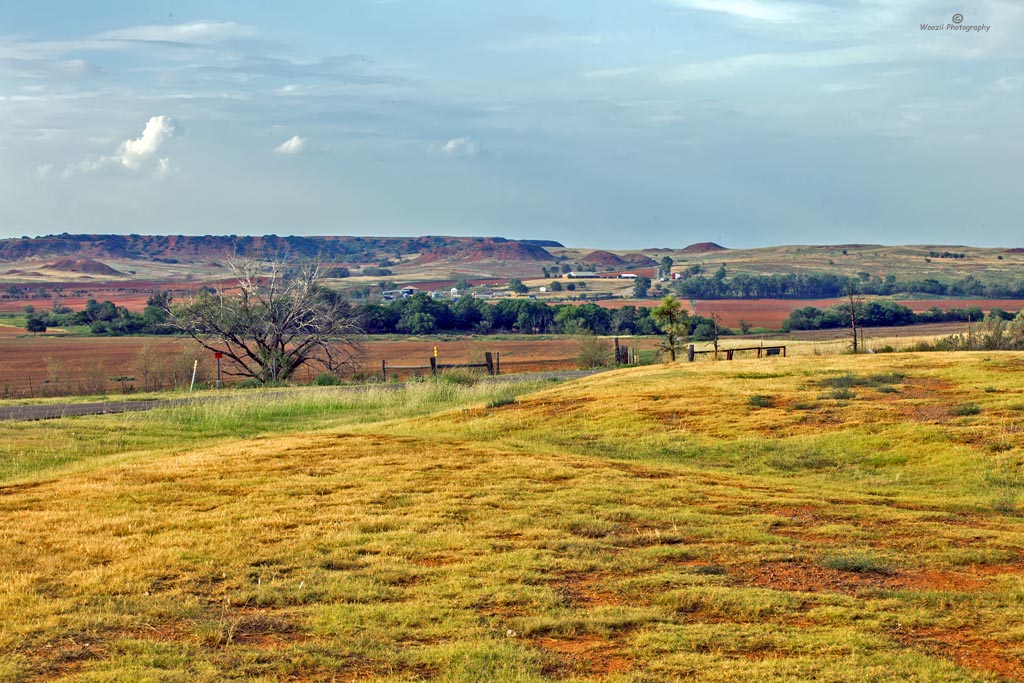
[(591, 654), (968, 650), (586, 589), (805, 577)]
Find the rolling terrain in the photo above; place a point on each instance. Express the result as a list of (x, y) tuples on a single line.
[(806, 518)]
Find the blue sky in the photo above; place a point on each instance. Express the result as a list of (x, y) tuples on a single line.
[(623, 124)]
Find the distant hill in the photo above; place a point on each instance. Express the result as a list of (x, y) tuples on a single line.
[(486, 249), (639, 260), (544, 243), (703, 248), (89, 266), (607, 259), (190, 248)]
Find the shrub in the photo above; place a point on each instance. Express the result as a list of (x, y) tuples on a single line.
[(859, 561), (594, 352), (327, 379), (459, 376), (759, 401), (967, 409)]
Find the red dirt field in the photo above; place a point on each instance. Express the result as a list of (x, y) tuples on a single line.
[(58, 366), (756, 312), (131, 294)]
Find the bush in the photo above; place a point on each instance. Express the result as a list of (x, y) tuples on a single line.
[(967, 409), (460, 377), (327, 379), (759, 401), (594, 352)]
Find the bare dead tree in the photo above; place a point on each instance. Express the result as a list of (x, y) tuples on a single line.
[(272, 321), (716, 321), (853, 305)]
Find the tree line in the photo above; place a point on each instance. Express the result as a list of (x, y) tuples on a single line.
[(106, 317), (829, 286), (418, 314), (881, 313), (421, 314)]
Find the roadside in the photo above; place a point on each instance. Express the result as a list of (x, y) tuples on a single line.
[(50, 411)]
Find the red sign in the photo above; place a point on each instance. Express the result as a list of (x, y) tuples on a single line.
[(218, 355)]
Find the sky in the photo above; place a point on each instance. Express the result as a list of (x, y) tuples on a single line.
[(615, 124)]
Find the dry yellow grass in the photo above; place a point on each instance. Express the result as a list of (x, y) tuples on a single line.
[(836, 518)]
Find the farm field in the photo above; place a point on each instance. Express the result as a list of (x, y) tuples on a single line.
[(807, 518), (51, 365)]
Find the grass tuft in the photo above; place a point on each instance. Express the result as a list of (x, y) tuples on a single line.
[(860, 562)]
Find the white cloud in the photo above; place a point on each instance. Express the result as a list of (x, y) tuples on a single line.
[(552, 41), (1008, 84), (194, 33), (43, 171), (730, 67), (131, 153), (756, 10), (458, 147), (292, 145), (164, 168)]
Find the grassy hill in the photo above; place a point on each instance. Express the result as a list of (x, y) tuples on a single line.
[(808, 518), (905, 262)]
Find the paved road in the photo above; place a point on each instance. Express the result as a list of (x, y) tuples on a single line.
[(51, 411)]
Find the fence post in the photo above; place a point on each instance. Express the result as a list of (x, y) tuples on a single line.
[(489, 359), (383, 370), (689, 353), (497, 362), (433, 366)]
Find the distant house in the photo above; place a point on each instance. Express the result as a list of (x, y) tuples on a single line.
[(403, 293), (581, 275), (627, 276)]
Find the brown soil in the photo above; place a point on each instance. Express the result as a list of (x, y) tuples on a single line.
[(811, 578), (586, 589), (592, 654), (968, 650)]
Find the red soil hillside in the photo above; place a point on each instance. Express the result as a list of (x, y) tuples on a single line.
[(639, 260), (90, 266), (191, 248), (603, 258), (703, 248), (485, 249)]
